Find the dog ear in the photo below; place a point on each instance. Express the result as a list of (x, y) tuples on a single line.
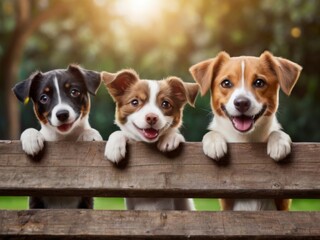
[(287, 72), (184, 92), (118, 83), (91, 78), (22, 89), (204, 72), (192, 92)]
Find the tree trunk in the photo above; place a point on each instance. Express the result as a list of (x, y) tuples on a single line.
[(25, 26)]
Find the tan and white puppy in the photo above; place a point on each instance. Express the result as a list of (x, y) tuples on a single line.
[(148, 111), (244, 100)]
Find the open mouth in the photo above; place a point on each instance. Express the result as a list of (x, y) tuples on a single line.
[(148, 133), (244, 123), (65, 127)]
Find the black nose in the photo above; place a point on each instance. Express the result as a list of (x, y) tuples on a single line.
[(62, 115), (242, 104)]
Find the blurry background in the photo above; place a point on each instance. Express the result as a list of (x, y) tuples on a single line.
[(157, 38)]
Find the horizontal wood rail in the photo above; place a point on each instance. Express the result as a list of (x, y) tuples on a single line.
[(89, 224), (79, 169)]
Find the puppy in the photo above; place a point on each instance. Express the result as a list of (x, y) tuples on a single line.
[(244, 100), (61, 103), (148, 111)]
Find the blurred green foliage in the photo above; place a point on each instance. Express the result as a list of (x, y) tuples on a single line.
[(100, 35), (20, 203)]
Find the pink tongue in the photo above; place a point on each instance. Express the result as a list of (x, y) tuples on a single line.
[(150, 133), (65, 127), (242, 123)]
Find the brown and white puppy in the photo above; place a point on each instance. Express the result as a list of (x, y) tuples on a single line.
[(61, 102), (244, 100), (148, 111)]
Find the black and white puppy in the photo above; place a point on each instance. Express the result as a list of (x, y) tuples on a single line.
[(61, 102)]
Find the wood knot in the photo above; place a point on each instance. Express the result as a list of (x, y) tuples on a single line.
[(163, 218)]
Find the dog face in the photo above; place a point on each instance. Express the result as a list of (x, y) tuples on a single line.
[(146, 109), (245, 89), (60, 97)]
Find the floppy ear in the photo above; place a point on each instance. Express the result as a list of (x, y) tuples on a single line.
[(192, 92), (204, 72), (184, 92), (117, 83), (287, 72), (91, 78), (22, 89)]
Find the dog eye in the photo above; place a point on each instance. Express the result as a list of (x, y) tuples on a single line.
[(44, 98), (165, 105), (134, 102), (74, 93), (226, 83), (259, 83)]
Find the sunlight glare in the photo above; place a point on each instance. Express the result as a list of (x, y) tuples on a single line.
[(138, 11)]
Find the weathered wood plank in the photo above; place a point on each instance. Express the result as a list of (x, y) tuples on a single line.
[(80, 169), (90, 224)]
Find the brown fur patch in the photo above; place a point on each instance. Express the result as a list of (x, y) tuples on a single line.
[(283, 204), (41, 117), (177, 99), (226, 204), (85, 109), (139, 91), (254, 69)]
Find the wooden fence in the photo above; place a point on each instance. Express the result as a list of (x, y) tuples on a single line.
[(69, 169)]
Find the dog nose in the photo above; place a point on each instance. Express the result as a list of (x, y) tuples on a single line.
[(62, 115), (151, 118), (242, 104)]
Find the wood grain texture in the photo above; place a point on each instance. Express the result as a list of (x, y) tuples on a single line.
[(90, 224), (80, 169)]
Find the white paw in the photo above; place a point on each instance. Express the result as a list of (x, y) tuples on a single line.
[(214, 145), (115, 149), (170, 142), (90, 135), (279, 145), (32, 141)]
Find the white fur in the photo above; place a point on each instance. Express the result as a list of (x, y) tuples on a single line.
[(254, 205), (266, 129), (279, 145), (255, 106), (168, 139), (61, 106), (56, 84), (137, 119), (116, 145), (32, 141), (243, 68), (115, 149)]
